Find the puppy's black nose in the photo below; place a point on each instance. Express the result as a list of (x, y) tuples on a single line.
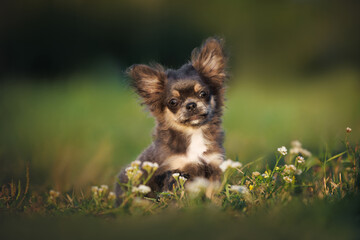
[(191, 106)]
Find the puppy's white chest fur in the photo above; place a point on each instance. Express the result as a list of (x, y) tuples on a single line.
[(197, 146)]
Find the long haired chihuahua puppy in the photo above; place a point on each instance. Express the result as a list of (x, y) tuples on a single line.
[(187, 105)]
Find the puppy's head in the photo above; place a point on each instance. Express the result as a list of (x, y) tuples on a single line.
[(189, 96)]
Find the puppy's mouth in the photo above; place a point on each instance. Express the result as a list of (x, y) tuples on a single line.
[(198, 119)]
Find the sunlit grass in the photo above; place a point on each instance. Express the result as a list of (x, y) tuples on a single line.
[(244, 190)]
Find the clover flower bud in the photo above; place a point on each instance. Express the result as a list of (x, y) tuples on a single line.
[(236, 165), (143, 189), (104, 187), (239, 189), (292, 168), (229, 164), (111, 196), (130, 172), (296, 148), (182, 180), (155, 166), (176, 176), (282, 150), (289, 169), (54, 194), (300, 159), (94, 189), (137, 175), (198, 185), (136, 164), (287, 179), (149, 166)]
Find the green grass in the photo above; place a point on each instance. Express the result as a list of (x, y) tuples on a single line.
[(319, 202)]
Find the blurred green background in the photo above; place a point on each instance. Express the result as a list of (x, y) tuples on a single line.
[(67, 109)]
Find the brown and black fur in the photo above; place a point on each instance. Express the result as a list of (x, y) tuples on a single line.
[(201, 81)]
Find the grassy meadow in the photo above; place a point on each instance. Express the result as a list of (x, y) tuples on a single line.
[(69, 122), (69, 135)]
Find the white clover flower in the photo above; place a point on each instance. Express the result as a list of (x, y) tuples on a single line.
[(198, 185), (225, 165), (94, 189), (54, 194), (135, 163), (300, 159), (129, 169), (282, 150), (289, 169), (143, 189), (292, 168), (111, 196), (104, 187), (182, 180), (287, 179), (100, 191), (255, 174), (155, 166), (298, 172), (229, 164), (130, 172), (150, 166), (176, 175), (138, 175), (147, 166), (238, 188), (348, 130), (236, 165), (296, 148)]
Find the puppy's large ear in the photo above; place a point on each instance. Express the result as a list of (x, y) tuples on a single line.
[(149, 83), (210, 61)]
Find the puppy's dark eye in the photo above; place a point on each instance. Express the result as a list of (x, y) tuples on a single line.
[(202, 94), (173, 102)]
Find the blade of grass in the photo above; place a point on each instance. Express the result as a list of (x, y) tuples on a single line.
[(336, 156)]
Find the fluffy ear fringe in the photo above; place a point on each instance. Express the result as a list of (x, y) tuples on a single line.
[(210, 61), (149, 83)]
